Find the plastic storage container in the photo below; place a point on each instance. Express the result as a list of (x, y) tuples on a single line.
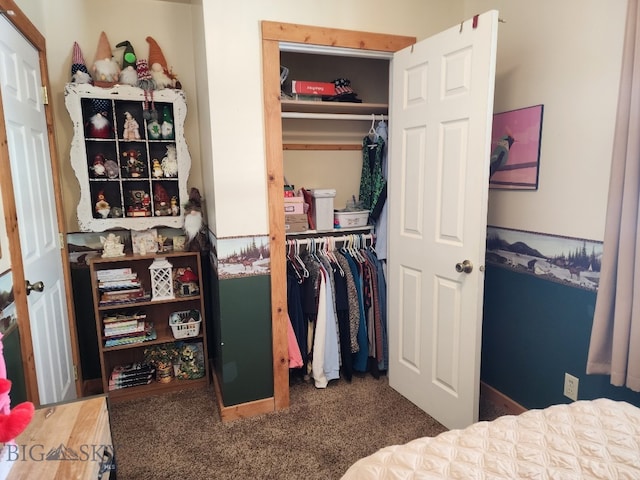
[(351, 219), (323, 208)]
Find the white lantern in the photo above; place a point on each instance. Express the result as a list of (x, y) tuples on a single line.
[(161, 279)]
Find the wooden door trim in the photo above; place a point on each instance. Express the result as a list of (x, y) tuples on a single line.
[(31, 33), (272, 34)]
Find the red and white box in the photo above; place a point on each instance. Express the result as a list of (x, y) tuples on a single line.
[(312, 88)]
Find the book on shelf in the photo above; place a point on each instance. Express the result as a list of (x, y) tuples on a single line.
[(122, 317), (128, 296), (118, 285), (130, 383), (148, 334), (122, 329), (131, 375), (116, 274)]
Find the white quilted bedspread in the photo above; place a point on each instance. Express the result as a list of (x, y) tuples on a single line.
[(587, 439)]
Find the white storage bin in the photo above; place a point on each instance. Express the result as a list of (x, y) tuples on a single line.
[(323, 208), (351, 219)]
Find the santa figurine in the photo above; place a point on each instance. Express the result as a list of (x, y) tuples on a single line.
[(99, 170), (99, 124)]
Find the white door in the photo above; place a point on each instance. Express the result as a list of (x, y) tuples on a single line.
[(21, 89), (441, 110)]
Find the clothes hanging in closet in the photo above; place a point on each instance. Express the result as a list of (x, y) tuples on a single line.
[(338, 313), (372, 181)]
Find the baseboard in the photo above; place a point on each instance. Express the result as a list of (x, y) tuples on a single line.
[(499, 398), (242, 410)]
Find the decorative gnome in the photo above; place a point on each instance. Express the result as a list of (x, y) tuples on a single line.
[(193, 222), (98, 168), (148, 85), (161, 201), (12, 421), (163, 77), (99, 124), (128, 74), (79, 72), (106, 70), (170, 162)]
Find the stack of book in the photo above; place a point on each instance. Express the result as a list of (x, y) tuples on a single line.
[(120, 285), (131, 375), (126, 329)]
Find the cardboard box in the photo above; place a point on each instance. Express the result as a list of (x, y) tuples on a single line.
[(312, 88), (296, 223), (293, 205)]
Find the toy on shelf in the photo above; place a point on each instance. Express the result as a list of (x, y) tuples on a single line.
[(111, 246), (106, 70), (128, 74), (131, 128), (79, 72)]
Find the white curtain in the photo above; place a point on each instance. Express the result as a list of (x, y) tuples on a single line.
[(615, 337)]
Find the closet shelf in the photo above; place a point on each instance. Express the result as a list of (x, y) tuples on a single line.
[(335, 231), (296, 106)]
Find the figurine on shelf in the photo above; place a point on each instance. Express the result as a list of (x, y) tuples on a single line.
[(131, 128), (102, 206), (175, 209), (112, 168), (79, 72), (170, 162), (161, 74), (128, 74), (98, 168), (161, 201), (134, 166), (105, 68), (166, 128), (185, 282), (193, 223), (99, 124), (111, 246), (156, 169), (139, 205)]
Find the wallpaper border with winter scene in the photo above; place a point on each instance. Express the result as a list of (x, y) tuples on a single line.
[(239, 257), (570, 261)]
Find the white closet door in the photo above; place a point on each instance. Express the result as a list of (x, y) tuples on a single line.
[(27, 138), (441, 111)]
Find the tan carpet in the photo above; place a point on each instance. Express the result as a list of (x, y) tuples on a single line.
[(180, 435)]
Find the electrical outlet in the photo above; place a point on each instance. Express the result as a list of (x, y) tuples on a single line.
[(571, 386)]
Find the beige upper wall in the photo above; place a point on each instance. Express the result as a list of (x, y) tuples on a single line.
[(565, 55), (66, 21), (233, 42)]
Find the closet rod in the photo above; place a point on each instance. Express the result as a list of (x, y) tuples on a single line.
[(332, 116), (321, 146), (340, 238)]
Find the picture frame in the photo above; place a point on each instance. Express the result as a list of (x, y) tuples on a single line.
[(144, 242), (515, 149)]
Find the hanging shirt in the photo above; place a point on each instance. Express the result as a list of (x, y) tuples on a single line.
[(372, 181)]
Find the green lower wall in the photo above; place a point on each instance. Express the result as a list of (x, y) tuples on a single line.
[(243, 354), (13, 362), (535, 330)]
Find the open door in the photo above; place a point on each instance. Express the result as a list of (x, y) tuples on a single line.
[(24, 122), (441, 109)]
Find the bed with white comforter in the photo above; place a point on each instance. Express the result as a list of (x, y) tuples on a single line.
[(587, 439)]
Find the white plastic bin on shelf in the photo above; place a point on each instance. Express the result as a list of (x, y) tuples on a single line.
[(323, 208)]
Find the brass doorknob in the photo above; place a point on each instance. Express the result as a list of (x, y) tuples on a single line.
[(38, 286), (465, 267)]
